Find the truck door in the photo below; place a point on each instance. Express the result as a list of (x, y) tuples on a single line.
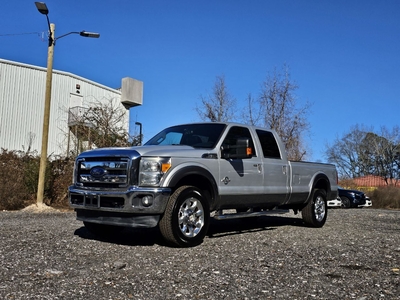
[(276, 170), (240, 180)]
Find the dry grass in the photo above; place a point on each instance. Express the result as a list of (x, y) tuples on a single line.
[(386, 197)]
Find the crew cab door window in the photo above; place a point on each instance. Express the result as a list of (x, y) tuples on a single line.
[(268, 144)]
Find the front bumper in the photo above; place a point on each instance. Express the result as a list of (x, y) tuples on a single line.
[(133, 207), (335, 202), (368, 203)]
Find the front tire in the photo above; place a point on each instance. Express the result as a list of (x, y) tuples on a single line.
[(345, 202), (316, 212), (186, 218)]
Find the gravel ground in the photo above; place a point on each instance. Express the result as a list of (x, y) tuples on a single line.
[(356, 255)]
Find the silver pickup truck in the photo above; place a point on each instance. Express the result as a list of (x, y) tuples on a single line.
[(187, 174)]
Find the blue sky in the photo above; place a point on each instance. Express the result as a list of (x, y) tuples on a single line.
[(343, 55)]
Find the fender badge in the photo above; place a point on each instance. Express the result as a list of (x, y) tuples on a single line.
[(226, 180)]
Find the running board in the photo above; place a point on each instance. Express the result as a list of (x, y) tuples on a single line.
[(220, 216)]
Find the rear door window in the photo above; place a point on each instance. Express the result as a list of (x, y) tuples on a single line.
[(268, 144)]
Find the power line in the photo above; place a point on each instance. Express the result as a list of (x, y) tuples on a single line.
[(12, 34), (41, 34)]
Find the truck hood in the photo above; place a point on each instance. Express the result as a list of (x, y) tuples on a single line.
[(110, 152), (172, 150), (164, 151)]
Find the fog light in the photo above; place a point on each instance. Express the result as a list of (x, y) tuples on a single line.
[(147, 201)]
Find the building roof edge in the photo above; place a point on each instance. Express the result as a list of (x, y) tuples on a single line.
[(118, 90)]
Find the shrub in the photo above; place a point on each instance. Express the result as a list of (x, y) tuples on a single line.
[(19, 174), (386, 197), (60, 179), (15, 171)]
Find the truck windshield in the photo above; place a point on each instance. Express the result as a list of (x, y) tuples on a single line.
[(196, 135)]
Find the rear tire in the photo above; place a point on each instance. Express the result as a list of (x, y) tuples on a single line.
[(316, 212), (186, 218)]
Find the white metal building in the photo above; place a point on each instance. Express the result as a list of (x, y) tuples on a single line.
[(22, 95)]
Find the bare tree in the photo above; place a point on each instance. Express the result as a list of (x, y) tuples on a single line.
[(31, 138), (384, 153), (218, 107), (277, 109), (252, 115), (362, 152), (345, 152), (107, 124), (103, 124)]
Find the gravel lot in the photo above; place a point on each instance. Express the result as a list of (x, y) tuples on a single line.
[(356, 255)]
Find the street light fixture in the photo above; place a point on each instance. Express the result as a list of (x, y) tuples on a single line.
[(42, 8)]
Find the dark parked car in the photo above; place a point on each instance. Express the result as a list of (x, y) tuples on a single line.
[(353, 198)]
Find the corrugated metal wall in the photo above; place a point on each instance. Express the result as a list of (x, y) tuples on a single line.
[(22, 93)]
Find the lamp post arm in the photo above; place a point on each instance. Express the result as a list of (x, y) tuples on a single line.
[(81, 33), (61, 36)]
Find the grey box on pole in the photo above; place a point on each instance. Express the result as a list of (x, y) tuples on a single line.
[(131, 92)]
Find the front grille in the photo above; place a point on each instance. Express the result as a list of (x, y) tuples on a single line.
[(106, 172)]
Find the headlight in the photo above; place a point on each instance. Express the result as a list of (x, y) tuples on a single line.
[(152, 169), (74, 173)]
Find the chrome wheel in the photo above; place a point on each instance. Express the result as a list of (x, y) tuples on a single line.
[(186, 218), (319, 209), (315, 212), (191, 217)]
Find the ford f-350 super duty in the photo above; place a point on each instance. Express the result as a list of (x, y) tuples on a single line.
[(188, 173)]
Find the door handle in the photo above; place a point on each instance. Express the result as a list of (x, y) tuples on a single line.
[(259, 167)]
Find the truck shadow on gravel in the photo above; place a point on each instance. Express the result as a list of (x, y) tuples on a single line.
[(217, 229), (222, 228), (127, 236)]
